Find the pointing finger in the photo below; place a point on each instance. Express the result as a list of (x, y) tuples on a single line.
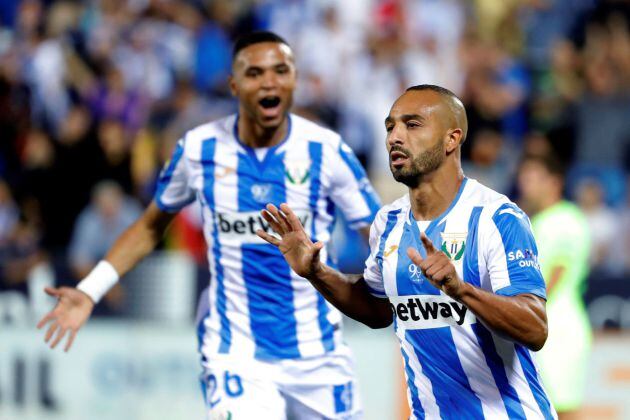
[(428, 245), (415, 256)]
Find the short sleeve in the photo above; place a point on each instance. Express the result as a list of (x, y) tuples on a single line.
[(512, 255), (372, 274), (173, 190), (351, 191)]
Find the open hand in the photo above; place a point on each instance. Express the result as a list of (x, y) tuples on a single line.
[(72, 310), (298, 249), (437, 268)]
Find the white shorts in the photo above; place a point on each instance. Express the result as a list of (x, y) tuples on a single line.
[(297, 389)]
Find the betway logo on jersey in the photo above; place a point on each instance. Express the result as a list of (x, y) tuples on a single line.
[(417, 312), (241, 227)]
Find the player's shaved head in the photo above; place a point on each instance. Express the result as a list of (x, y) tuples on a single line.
[(454, 115)]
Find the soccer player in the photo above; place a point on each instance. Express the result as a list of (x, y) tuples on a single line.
[(271, 345), (563, 239), (453, 264)]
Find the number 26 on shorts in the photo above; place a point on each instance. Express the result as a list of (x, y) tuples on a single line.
[(232, 387)]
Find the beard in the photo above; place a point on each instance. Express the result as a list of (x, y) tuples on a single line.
[(423, 164)]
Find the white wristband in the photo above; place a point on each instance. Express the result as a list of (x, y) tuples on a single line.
[(102, 278)]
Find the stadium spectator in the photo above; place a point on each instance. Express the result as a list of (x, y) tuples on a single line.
[(563, 239)]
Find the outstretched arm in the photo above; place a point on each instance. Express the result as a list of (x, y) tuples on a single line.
[(348, 293), (74, 307), (521, 318)]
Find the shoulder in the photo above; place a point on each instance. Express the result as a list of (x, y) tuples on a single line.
[(217, 130), (306, 130), (390, 213)]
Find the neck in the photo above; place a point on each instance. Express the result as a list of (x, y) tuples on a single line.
[(548, 200), (436, 191), (254, 135)]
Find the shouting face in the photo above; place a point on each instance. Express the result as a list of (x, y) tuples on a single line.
[(263, 80)]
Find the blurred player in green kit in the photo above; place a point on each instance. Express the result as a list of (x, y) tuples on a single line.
[(563, 240)]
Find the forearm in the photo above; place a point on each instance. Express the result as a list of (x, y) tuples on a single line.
[(349, 294), (139, 240), (521, 318)]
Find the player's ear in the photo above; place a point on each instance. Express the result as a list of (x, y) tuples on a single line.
[(453, 139), (232, 84)]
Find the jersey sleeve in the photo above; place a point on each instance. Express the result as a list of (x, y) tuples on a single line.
[(351, 191), (511, 254), (173, 190), (372, 274)]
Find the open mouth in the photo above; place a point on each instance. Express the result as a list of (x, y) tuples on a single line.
[(398, 158), (270, 106)]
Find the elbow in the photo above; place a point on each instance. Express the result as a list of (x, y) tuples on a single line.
[(378, 323), (538, 337)]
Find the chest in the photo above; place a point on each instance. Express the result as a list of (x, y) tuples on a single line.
[(237, 180), (456, 237)]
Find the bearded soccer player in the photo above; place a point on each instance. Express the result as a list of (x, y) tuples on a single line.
[(271, 345), (453, 264)]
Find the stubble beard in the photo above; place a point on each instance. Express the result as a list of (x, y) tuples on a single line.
[(421, 165)]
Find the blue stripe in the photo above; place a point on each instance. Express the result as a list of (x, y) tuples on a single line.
[(266, 274), (366, 189), (392, 218), (508, 394), (517, 237), (471, 254), (436, 352), (201, 332), (416, 404), (409, 279), (534, 381), (165, 178), (207, 156), (315, 153)]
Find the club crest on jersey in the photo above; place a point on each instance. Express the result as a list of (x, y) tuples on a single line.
[(297, 171), (454, 245), (261, 193)]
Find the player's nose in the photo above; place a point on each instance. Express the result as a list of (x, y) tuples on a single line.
[(396, 135)]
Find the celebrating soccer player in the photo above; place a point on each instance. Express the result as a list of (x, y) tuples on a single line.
[(270, 344), (453, 264)]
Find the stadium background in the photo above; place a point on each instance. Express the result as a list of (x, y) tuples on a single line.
[(93, 95)]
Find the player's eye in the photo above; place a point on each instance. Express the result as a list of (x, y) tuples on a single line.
[(282, 69), (389, 127), (413, 124), (253, 73)]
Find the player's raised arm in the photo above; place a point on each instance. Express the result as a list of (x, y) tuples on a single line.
[(346, 292), (520, 317), (75, 305)]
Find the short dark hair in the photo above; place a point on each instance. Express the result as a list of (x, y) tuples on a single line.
[(550, 162), (435, 88), (251, 38)]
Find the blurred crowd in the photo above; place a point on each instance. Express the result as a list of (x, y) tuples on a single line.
[(94, 93)]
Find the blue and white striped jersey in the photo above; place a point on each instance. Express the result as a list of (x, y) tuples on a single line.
[(257, 306), (455, 367)]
